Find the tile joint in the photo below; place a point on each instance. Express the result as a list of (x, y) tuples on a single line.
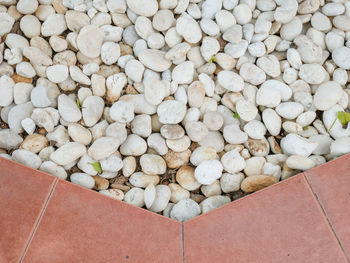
[(326, 217), (183, 243), (39, 219)]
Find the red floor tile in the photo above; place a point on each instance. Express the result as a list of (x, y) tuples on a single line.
[(82, 226), (23, 193), (283, 223), (331, 184)]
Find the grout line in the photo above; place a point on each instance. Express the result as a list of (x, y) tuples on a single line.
[(326, 217), (38, 220), (183, 243)]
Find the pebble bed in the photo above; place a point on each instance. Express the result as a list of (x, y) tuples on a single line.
[(177, 106)]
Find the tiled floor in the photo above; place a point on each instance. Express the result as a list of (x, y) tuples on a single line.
[(302, 219), (23, 194)]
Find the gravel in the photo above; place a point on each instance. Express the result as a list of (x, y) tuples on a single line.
[(179, 107)]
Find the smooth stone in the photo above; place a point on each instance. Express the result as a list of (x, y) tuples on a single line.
[(68, 109), (103, 147), (213, 202), (294, 144), (83, 180), (257, 182), (134, 145), (163, 194), (34, 143), (152, 164), (89, 41), (27, 158), (231, 182), (140, 179), (233, 162), (135, 196), (185, 177), (185, 210), (208, 171), (68, 153), (300, 162), (154, 59), (54, 169), (171, 112), (92, 110)]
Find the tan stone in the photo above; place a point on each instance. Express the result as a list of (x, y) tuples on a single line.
[(100, 183), (257, 182), (34, 143), (176, 160), (185, 177)]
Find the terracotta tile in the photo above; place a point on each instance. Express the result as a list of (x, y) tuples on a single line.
[(331, 184), (23, 193), (80, 225), (282, 223)]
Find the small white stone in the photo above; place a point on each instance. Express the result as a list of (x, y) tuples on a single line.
[(68, 153), (231, 182), (327, 95), (82, 179), (208, 171), (154, 59), (54, 169), (242, 13), (289, 110), (233, 134), (6, 90), (295, 144), (110, 52), (27, 158), (103, 147), (57, 73), (54, 24), (92, 109), (152, 164), (213, 202), (112, 164), (68, 109), (6, 22), (134, 145), (183, 73), (28, 125), (185, 210), (233, 162), (135, 196), (230, 80), (122, 111), (171, 112), (114, 193), (149, 195), (163, 194), (145, 8), (187, 27), (89, 41), (134, 70)]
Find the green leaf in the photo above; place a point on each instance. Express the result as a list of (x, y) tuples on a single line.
[(212, 59), (77, 101), (236, 115), (343, 117), (97, 167), (306, 127)]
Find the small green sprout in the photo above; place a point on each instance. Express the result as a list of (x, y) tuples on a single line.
[(236, 115), (212, 59), (77, 101), (306, 127), (343, 117), (97, 167)]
